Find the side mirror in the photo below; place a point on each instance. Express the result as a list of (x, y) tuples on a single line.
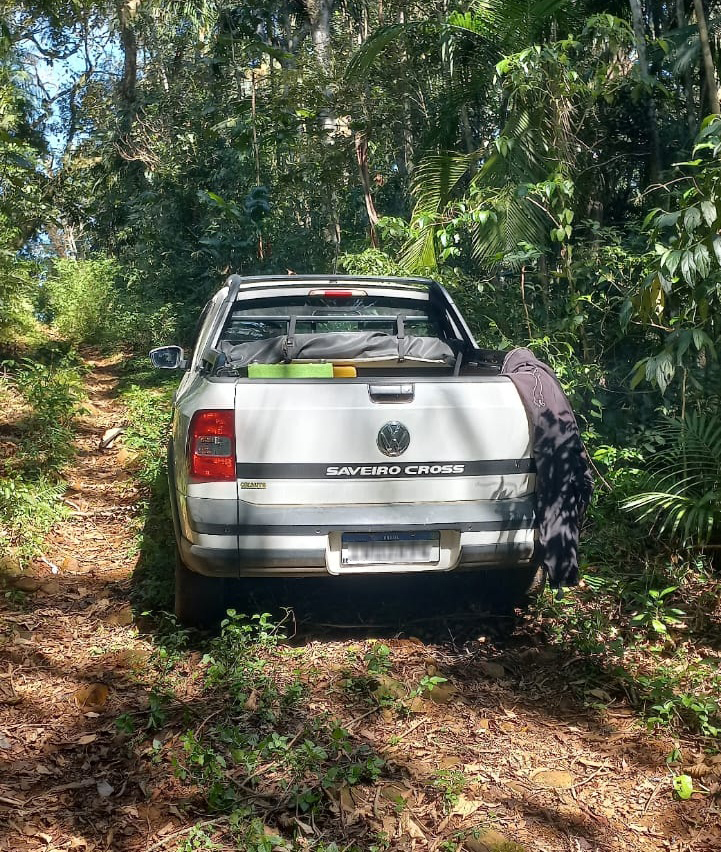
[(168, 358)]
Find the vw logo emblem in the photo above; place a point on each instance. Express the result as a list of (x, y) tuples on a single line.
[(393, 439)]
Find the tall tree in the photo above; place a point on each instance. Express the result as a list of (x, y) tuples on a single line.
[(708, 64), (126, 13), (639, 29), (688, 88)]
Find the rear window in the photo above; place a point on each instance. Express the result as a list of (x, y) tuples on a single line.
[(266, 318)]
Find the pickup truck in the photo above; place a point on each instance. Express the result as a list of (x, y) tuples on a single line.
[(330, 425)]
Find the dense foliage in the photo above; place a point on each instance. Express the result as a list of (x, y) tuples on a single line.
[(556, 164)]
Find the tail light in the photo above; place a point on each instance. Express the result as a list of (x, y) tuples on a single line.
[(211, 445), (338, 294)]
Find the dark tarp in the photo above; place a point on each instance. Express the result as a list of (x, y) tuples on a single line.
[(339, 345), (564, 482)]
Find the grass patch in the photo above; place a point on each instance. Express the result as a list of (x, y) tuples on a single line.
[(41, 392), (147, 394)]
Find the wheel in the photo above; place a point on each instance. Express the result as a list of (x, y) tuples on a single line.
[(513, 588), (199, 601)]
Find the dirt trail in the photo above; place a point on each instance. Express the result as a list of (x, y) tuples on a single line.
[(541, 768)]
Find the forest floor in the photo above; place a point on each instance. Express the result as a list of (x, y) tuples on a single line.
[(417, 724)]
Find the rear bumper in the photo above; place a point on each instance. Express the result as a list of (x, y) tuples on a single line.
[(214, 562), (224, 538)]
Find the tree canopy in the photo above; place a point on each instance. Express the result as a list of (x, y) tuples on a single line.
[(555, 163)]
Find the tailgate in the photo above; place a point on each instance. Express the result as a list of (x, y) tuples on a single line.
[(335, 443)]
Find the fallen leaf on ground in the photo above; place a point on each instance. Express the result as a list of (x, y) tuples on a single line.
[(128, 458), (26, 584), (109, 436), (553, 778), (449, 762), (490, 840), (122, 618), (601, 694), (86, 739), (465, 807), (388, 687), (104, 789), (396, 792), (8, 694), (9, 563), (349, 803), (133, 658), (92, 696), (492, 670), (442, 693), (410, 827)]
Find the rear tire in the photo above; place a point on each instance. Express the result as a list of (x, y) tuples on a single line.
[(514, 588), (199, 601)]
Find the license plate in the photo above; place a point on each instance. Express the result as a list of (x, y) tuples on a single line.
[(401, 548)]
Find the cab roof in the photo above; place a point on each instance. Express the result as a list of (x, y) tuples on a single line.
[(254, 281)]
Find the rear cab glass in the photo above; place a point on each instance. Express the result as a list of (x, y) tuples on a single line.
[(264, 318), (369, 330)]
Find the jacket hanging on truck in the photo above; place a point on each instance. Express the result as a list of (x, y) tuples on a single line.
[(564, 482)]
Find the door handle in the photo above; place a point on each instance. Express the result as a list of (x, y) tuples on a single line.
[(391, 393)]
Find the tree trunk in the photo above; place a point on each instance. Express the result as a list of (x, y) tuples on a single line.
[(319, 15), (708, 66), (126, 10), (688, 86), (639, 29), (361, 152)]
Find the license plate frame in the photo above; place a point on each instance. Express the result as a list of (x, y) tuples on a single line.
[(390, 548)]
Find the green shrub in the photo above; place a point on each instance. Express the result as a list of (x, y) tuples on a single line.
[(89, 301), (369, 262), (28, 510), (81, 298), (16, 308)]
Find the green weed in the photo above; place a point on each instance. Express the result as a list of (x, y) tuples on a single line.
[(198, 841), (655, 611), (634, 628), (428, 683), (451, 783), (91, 301), (378, 658), (148, 412)]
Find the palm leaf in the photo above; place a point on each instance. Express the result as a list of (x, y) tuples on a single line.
[(436, 182), (436, 179), (364, 57), (684, 499)]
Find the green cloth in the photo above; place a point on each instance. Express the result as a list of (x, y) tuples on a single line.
[(290, 371)]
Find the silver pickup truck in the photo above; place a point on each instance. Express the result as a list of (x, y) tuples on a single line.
[(331, 425)]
